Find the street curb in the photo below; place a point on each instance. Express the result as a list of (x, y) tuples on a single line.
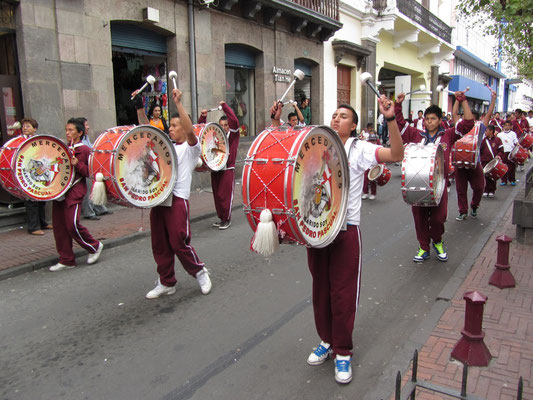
[(400, 362), (109, 244)]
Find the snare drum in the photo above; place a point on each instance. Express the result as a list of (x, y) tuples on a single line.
[(423, 180), (138, 164), (465, 151), (301, 175), (36, 168), (518, 155), (214, 144), (379, 173), (526, 140), (495, 169)]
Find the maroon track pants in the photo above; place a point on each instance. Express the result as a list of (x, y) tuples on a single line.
[(336, 271), (171, 235), (510, 175), (66, 221), (464, 176), (366, 182), (223, 184), (429, 222), (490, 184)]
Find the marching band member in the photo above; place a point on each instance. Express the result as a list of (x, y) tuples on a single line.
[(497, 121), (490, 148), (429, 221), (336, 268), (371, 137), (418, 123), (509, 140), (170, 227), (223, 182), (66, 213)]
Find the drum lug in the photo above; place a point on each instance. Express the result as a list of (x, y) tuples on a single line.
[(249, 161)]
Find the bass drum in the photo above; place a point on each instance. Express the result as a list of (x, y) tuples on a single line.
[(214, 147), (301, 175), (36, 168), (138, 164), (423, 180)]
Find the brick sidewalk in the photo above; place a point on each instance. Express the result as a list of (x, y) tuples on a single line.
[(507, 323), (17, 247)]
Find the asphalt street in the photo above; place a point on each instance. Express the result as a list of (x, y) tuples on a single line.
[(89, 333)]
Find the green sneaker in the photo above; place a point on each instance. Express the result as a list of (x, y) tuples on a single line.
[(473, 213), (441, 254), (461, 217), (421, 256)]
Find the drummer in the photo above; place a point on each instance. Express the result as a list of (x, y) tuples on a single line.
[(497, 121), (223, 182), (509, 140), (429, 221), (490, 148), (336, 268), (66, 212)]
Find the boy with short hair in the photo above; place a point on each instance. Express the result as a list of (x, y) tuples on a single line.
[(509, 140)]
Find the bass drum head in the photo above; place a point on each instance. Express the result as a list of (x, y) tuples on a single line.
[(145, 166), (43, 167), (320, 186), (214, 145), (439, 180), (375, 172)]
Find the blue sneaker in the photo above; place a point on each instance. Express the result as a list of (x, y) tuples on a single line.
[(503, 183), (513, 183), (421, 256), (321, 354), (343, 369)]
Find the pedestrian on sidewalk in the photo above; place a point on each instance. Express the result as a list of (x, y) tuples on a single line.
[(223, 182), (66, 212), (169, 222), (509, 140), (429, 221), (336, 268), (35, 210)]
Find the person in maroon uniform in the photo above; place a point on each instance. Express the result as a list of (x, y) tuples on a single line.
[(223, 182), (490, 148), (66, 212), (429, 221), (418, 123), (497, 121)]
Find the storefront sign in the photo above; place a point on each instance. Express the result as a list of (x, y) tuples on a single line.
[(281, 74)]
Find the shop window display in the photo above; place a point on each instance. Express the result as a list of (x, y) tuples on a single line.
[(240, 97), (129, 73)]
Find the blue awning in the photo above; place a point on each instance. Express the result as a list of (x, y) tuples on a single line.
[(477, 90)]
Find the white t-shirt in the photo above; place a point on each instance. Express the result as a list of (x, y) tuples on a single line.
[(508, 139), (187, 159), (530, 121), (362, 156)]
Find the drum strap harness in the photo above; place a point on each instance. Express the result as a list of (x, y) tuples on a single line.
[(348, 146), (489, 146)]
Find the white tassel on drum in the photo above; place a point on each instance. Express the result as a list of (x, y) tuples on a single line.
[(98, 194), (265, 240)]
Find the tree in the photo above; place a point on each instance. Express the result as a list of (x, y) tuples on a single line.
[(512, 22)]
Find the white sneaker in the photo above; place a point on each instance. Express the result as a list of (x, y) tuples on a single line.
[(491, 194), (320, 354), (364, 196), (59, 267), (204, 281), (372, 196), (94, 257), (485, 194), (160, 290), (343, 369)]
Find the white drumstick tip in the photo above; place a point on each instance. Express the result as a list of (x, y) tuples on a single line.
[(365, 76), (150, 79), (422, 88), (299, 74)]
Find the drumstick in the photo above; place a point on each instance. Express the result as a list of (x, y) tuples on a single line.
[(289, 102), (422, 89), (298, 76), (440, 88), (149, 80), (365, 78), (219, 108), (173, 75)]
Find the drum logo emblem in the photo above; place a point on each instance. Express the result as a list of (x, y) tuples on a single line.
[(44, 170)]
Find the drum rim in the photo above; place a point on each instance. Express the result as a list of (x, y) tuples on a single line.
[(69, 155), (173, 156), (490, 165), (337, 226), (381, 169), (203, 127), (12, 165)]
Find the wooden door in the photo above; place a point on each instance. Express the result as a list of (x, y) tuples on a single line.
[(343, 84)]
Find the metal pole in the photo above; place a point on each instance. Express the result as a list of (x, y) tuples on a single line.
[(465, 379), (192, 61)]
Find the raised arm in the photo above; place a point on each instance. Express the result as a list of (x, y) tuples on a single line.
[(395, 152), (203, 117), (493, 95), (298, 112), (455, 112), (468, 121), (141, 116), (275, 110), (233, 121), (185, 121), (398, 111)]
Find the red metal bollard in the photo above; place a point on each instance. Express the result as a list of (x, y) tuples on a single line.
[(471, 349), (502, 276)]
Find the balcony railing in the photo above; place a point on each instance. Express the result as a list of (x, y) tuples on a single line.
[(419, 14), (329, 8)]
